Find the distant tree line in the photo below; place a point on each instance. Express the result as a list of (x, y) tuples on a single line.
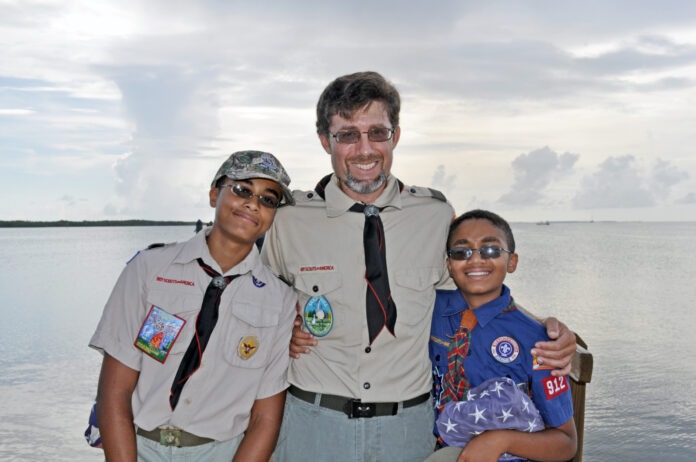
[(66, 223)]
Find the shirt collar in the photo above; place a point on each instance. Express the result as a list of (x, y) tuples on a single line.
[(486, 312), (197, 247), (338, 202)]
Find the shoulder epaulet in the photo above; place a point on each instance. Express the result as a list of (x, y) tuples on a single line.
[(306, 196), (420, 191), (156, 245)]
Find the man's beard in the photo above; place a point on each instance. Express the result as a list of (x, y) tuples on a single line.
[(364, 186)]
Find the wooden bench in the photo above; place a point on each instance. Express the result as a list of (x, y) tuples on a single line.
[(580, 376)]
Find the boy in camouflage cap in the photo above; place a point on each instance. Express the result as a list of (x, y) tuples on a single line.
[(195, 334)]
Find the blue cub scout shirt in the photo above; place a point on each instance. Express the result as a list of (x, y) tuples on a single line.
[(497, 324)]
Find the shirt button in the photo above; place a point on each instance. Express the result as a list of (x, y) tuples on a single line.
[(366, 385), (368, 349), (187, 401), (315, 288), (310, 195)]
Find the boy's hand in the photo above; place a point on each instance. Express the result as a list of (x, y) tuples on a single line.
[(559, 351), (300, 341)]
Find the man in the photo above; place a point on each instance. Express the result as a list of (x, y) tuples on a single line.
[(195, 334), (365, 254)]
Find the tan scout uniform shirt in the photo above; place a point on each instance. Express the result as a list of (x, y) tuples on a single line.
[(217, 399), (317, 246)]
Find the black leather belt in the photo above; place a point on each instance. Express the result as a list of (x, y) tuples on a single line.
[(173, 437), (354, 408)]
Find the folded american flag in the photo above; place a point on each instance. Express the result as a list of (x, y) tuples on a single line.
[(496, 404)]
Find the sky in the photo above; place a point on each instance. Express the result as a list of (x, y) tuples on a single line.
[(537, 110)]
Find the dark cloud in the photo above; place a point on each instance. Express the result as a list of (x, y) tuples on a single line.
[(534, 172), (619, 183)]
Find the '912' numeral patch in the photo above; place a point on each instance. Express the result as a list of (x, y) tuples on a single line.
[(554, 386)]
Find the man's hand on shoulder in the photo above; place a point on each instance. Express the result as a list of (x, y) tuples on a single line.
[(559, 351)]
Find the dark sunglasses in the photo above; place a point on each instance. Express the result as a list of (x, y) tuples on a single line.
[(242, 191), (485, 252)]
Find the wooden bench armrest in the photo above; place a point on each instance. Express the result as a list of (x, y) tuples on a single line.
[(581, 365)]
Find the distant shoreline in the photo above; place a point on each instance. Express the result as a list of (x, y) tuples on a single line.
[(84, 223)]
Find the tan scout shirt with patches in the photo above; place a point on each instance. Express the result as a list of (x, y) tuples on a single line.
[(217, 399), (317, 246)]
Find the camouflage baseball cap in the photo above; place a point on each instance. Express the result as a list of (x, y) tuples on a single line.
[(243, 165)]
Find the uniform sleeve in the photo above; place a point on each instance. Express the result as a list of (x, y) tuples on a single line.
[(275, 376), (552, 397), (122, 317)]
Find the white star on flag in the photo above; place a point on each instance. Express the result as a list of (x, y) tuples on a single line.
[(525, 405), (450, 425), (506, 414), (532, 426), (497, 388), (478, 414)]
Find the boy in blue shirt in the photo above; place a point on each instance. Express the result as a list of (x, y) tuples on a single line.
[(479, 347)]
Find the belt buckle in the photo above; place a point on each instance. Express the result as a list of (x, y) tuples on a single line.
[(356, 409), (170, 437)]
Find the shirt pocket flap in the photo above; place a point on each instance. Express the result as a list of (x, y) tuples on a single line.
[(315, 284), (255, 315)]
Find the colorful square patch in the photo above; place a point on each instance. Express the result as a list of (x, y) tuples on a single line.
[(158, 333)]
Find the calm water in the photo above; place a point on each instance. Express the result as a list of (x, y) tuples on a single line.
[(625, 287)]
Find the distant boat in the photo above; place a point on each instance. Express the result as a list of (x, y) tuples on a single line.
[(199, 225), (543, 222)]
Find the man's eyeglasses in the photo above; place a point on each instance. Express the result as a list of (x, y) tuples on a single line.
[(242, 191), (375, 134), (485, 252)]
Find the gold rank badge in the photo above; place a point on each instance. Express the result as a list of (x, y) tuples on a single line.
[(248, 346)]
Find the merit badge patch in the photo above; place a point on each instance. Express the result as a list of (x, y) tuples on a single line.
[(248, 346), (554, 386), (505, 349), (318, 316), (158, 333)]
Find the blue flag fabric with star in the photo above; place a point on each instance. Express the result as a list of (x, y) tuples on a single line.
[(496, 404)]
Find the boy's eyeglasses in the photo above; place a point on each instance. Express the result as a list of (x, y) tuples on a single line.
[(246, 193), (485, 252), (375, 134)]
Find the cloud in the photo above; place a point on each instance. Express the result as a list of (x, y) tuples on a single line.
[(619, 183), (690, 198), (442, 181), (664, 176), (534, 172)]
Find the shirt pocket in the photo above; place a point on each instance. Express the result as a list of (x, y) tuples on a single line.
[(415, 295), (343, 303), (249, 334)]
